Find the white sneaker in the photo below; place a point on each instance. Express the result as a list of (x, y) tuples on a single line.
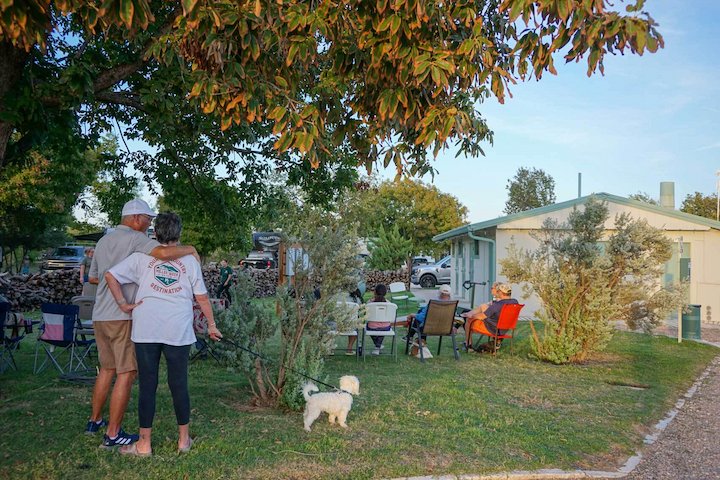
[(376, 351), (382, 346)]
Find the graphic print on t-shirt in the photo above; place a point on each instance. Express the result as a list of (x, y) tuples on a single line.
[(167, 274)]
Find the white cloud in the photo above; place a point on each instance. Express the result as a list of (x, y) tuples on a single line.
[(712, 146)]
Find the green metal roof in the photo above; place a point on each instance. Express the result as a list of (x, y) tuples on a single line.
[(607, 197)]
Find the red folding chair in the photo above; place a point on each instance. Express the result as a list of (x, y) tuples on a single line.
[(507, 322)]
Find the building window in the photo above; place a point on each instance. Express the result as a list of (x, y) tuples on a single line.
[(679, 266)]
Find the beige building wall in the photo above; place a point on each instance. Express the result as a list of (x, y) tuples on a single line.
[(704, 249)]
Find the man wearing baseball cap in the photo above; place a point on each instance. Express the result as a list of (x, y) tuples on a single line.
[(485, 321), (112, 326)]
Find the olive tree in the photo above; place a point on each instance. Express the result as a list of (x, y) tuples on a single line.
[(585, 280), (308, 308)]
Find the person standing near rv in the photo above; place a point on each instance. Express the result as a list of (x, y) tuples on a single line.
[(226, 276)]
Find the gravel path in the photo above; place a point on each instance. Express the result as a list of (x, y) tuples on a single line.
[(689, 448)]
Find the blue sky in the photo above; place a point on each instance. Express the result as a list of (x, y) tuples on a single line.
[(649, 119)]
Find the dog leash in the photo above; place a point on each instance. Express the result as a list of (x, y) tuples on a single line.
[(302, 374)]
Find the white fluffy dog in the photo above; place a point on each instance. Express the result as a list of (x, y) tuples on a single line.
[(336, 404)]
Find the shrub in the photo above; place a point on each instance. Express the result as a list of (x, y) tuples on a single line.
[(584, 283), (325, 269), (249, 324), (389, 250)]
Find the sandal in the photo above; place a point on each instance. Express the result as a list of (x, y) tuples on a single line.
[(187, 447), (132, 450)]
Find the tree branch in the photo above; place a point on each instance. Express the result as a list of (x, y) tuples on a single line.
[(111, 77), (249, 151), (121, 98)]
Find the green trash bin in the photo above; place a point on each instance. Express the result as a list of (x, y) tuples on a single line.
[(691, 322)]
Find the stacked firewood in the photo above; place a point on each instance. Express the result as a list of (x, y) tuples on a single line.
[(265, 280), (373, 277), (27, 292)]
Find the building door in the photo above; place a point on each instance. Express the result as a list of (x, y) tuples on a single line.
[(481, 271), (678, 268)]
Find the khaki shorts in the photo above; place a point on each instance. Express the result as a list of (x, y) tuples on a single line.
[(115, 349)]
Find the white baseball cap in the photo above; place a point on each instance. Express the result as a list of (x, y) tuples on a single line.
[(445, 289), (137, 206)]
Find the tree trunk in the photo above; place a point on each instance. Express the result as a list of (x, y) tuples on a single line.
[(12, 61), (259, 381)]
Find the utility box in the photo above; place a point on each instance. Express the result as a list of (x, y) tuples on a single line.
[(691, 322)]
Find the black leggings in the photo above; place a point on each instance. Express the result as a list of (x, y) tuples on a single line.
[(148, 360)]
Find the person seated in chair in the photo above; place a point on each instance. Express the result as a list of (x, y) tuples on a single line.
[(416, 321), (480, 309), (354, 296), (484, 319), (380, 292)]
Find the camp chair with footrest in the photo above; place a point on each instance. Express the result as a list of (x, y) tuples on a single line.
[(354, 321)]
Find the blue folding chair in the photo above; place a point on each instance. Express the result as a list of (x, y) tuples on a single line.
[(59, 337), (10, 342)]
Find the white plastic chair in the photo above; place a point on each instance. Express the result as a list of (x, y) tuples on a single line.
[(385, 312), (86, 304), (398, 287), (354, 318)]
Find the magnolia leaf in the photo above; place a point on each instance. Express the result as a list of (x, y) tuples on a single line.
[(195, 90), (292, 51), (127, 8), (385, 24), (283, 143), (188, 6), (225, 123), (394, 24), (277, 113), (233, 103), (281, 82), (447, 128), (564, 9)]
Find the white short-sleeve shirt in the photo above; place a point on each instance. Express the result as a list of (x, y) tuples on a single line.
[(166, 289)]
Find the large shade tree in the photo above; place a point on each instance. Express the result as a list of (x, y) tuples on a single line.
[(529, 188), (699, 204), (419, 211), (297, 86)]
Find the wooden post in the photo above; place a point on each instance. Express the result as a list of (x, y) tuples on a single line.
[(679, 280)]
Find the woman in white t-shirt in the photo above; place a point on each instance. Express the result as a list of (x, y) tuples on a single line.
[(162, 324)]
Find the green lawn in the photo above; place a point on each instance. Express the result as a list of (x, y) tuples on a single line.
[(478, 415)]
